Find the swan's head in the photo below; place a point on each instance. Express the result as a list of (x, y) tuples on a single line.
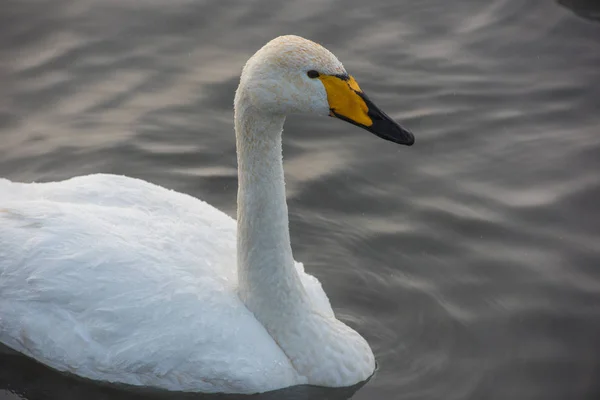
[(294, 75)]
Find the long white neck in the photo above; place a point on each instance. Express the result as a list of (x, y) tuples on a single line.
[(268, 282), (321, 348)]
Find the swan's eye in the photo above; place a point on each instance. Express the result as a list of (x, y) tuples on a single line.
[(312, 74)]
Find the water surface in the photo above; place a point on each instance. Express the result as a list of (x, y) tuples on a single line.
[(469, 261)]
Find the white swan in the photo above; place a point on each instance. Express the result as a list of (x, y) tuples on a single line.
[(116, 279)]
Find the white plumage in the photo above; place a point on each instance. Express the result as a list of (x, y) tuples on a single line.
[(116, 279)]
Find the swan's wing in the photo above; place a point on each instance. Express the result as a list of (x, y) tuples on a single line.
[(100, 276), (127, 193)]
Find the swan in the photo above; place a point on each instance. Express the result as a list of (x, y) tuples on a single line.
[(119, 280)]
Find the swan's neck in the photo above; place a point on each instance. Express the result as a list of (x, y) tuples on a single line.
[(320, 348), (268, 282)]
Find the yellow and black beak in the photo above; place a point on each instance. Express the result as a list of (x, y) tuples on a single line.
[(348, 102)]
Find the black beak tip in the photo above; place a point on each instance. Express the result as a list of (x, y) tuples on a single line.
[(410, 138), (397, 134)]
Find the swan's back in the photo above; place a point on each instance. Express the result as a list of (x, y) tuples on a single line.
[(99, 271)]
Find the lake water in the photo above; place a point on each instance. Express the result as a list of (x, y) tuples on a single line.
[(470, 261)]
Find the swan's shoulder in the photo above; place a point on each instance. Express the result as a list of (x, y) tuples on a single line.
[(121, 270)]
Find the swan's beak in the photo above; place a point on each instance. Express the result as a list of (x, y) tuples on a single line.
[(348, 102)]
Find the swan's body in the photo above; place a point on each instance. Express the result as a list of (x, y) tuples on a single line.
[(105, 281), (115, 279)]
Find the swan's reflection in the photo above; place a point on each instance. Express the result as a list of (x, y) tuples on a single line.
[(24, 378), (588, 9)]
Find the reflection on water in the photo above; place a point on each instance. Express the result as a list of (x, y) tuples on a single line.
[(27, 379), (589, 9), (469, 261)]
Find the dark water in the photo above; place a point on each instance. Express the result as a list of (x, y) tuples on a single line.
[(470, 261)]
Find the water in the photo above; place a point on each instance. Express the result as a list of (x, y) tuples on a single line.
[(468, 261)]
